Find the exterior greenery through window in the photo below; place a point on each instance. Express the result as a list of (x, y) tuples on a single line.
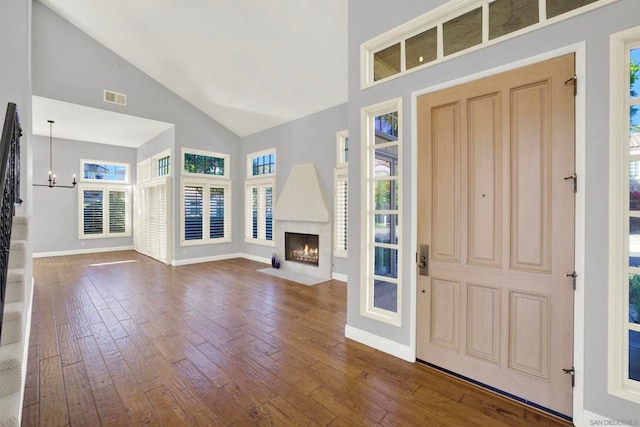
[(382, 284), (202, 164), (624, 217)]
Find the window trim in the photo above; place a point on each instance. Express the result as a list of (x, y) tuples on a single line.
[(342, 138), (225, 157), (367, 244), (438, 16), (105, 188), (251, 156), (263, 181), (207, 184), (619, 383), (107, 162)]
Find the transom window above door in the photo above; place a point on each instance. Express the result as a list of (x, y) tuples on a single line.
[(458, 27)]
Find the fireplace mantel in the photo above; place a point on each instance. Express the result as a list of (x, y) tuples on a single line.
[(302, 198)]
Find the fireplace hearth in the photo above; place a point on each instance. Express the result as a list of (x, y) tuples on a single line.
[(302, 248)]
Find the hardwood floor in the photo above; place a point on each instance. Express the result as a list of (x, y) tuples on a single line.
[(120, 339)]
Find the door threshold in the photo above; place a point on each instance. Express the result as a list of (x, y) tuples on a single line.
[(503, 393)]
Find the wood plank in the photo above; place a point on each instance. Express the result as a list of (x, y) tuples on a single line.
[(69, 350), (110, 408), (82, 408), (166, 407), (133, 399), (53, 405), (94, 363)]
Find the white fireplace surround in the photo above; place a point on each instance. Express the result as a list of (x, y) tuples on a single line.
[(302, 208)]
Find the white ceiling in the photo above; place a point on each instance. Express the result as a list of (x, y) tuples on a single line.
[(249, 64), (81, 123)]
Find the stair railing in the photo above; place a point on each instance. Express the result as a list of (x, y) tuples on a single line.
[(10, 191)]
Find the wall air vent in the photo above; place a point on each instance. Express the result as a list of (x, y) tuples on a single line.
[(115, 97)]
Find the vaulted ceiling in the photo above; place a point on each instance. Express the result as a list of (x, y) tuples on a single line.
[(249, 64)]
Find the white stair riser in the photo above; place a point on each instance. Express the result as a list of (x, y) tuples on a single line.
[(10, 410), (15, 289), (17, 254), (10, 378), (11, 328), (19, 228)]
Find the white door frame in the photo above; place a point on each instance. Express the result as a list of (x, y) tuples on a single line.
[(579, 49)]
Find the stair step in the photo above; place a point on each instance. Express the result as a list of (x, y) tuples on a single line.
[(10, 377), (20, 228), (10, 410), (15, 286), (17, 254), (12, 324)]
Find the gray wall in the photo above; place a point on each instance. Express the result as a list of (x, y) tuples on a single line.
[(69, 65), (369, 18), (15, 86), (166, 140), (15, 77), (55, 210), (308, 139)]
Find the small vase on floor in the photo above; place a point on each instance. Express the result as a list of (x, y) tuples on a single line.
[(274, 258)]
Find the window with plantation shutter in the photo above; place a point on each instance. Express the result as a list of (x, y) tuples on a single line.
[(152, 226), (216, 213), (206, 215), (193, 219), (340, 192), (104, 210), (259, 196), (341, 202), (92, 210), (117, 211)]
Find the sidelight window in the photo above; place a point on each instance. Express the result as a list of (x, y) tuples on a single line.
[(624, 275), (382, 282)]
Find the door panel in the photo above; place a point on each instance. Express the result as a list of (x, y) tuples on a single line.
[(498, 215), (483, 322), (530, 110), (446, 170), (485, 181)]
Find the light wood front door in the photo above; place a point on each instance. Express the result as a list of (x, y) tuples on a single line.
[(498, 215)]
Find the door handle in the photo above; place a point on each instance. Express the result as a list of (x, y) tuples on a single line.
[(423, 260)]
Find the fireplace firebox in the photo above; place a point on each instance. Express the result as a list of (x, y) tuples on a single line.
[(302, 248)]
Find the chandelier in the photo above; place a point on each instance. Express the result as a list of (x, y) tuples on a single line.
[(52, 177)]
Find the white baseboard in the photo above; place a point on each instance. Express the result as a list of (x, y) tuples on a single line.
[(189, 261), (339, 276), (588, 418), (82, 251), (256, 258), (379, 343)]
